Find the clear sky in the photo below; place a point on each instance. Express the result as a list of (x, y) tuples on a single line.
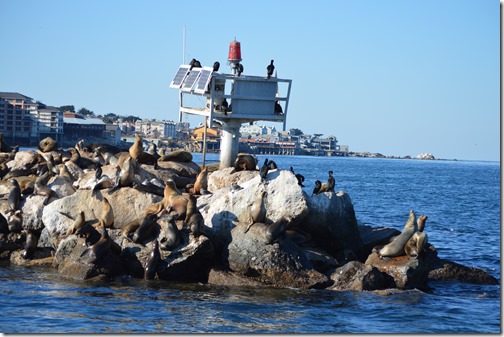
[(396, 77)]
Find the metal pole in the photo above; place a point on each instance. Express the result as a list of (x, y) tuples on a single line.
[(204, 141)]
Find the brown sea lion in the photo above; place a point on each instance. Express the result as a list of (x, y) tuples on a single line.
[(15, 222), (107, 214), (396, 247), (194, 220), (136, 149), (125, 176), (245, 162), (201, 181), (79, 221), (89, 233), (48, 144), (257, 211), (178, 156), (276, 229), (83, 162), (416, 245), (41, 186), (14, 197)]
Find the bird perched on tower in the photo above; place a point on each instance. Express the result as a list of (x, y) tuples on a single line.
[(216, 66), (270, 68), (240, 69), (194, 63)]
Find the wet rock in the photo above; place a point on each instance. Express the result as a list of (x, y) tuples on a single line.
[(333, 225), (407, 272), (357, 276), (452, 271), (280, 264)]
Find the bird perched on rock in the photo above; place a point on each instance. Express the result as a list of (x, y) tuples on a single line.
[(240, 69), (216, 66), (270, 68), (330, 182), (299, 177), (263, 172), (194, 64)]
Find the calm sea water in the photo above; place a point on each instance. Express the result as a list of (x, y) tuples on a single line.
[(460, 198)]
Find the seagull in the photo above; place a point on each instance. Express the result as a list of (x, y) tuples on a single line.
[(270, 69)]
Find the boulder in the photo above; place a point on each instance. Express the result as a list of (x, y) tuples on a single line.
[(23, 159), (280, 264), (127, 204), (407, 272), (333, 225), (225, 209), (357, 276), (452, 271), (224, 177), (374, 236)]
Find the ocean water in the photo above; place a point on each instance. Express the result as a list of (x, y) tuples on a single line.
[(460, 198)]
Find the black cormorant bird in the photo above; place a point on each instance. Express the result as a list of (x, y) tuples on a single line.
[(318, 185), (240, 69), (272, 165), (299, 177), (263, 172), (270, 69), (278, 108), (216, 66), (330, 182), (194, 63)]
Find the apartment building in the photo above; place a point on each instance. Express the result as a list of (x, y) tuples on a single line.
[(25, 121), (156, 129)]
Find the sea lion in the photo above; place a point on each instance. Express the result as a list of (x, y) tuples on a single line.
[(4, 147), (4, 225), (152, 261), (416, 245), (136, 149), (172, 235), (201, 181), (257, 211), (107, 156), (27, 184), (170, 191), (107, 214), (48, 161), (15, 222), (14, 197), (89, 233), (79, 221), (194, 220), (48, 144), (125, 176), (30, 245), (245, 162), (101, 247), (131, 227), (276, 229), (178, 156), (396, 247), (149, 186), (83, 162), (145, 229), (41, 186), (106, 182)]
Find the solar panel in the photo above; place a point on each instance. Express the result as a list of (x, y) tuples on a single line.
[(180, 76), (203, 80), (191, 79)]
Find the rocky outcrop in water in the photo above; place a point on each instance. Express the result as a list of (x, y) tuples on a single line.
[(302, 242)]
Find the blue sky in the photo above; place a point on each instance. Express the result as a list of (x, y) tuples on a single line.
[(397, 77)]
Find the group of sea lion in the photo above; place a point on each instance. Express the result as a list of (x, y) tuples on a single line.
[(49, 162), (412, 240)]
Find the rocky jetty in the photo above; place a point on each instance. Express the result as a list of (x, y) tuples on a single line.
[(109, 217)]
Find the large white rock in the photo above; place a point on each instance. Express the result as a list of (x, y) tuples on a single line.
[(225, 209)]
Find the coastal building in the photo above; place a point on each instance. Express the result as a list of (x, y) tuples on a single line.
[(212, 137), (25, 121), (156, 129), (78, 127)]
